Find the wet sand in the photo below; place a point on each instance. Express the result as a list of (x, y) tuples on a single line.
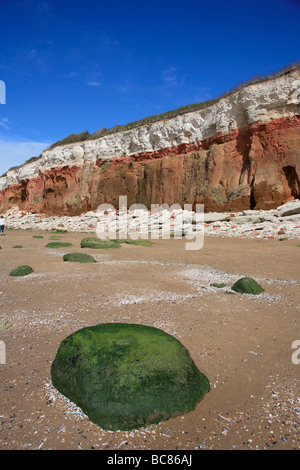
[(242, 343)]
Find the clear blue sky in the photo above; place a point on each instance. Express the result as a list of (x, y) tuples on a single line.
[(71, 66)]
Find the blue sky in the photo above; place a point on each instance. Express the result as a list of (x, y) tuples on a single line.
[(82, 65)]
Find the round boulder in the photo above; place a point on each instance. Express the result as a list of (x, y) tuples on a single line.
[(126, 376), (79, 258), (23, 270), (247, 285)]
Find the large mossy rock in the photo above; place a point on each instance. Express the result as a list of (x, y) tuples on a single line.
[(247, 285), (92, 242), (23, 270), (79, 258), (126, 376)]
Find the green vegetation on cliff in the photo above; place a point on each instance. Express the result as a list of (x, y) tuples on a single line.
[(175, 112)]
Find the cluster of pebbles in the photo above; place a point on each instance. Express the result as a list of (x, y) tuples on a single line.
[(280, 223)]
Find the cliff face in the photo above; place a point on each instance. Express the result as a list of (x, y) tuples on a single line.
[(239, 153)]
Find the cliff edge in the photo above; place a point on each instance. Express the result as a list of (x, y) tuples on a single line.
[(242, 152)]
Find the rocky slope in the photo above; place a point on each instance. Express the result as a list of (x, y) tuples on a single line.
[(242, 152)]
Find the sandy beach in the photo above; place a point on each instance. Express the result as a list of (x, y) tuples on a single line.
[(241, 342)]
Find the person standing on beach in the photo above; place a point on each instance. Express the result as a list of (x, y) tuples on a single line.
[(2, 223)]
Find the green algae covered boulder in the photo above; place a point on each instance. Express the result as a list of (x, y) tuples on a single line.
[(79, 258), (126, 376), (58, 244), (23, 270), (97, 243), (247, 285)]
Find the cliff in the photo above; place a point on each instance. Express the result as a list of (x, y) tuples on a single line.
[(242, 152)]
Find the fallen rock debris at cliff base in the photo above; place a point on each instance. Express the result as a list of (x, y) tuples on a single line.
[(281, 223)]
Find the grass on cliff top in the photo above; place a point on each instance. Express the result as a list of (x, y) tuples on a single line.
[(84, 136), (126, 376)]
